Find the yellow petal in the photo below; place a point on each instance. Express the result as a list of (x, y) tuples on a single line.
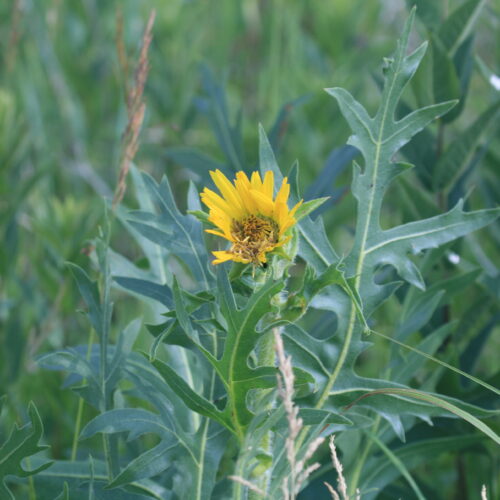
[(213, 200), (229, 193), (264, 203), (256, 182), (218, 233), (284, 192), (268, 185), (243, 187), (222, 256)]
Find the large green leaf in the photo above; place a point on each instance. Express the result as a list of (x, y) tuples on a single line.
[(392, 246), (22, 442), (379, 138), (242, 337)]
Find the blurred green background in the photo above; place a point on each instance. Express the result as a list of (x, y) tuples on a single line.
[(215, 65)]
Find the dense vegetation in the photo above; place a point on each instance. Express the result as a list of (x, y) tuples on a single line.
[(386, 297)]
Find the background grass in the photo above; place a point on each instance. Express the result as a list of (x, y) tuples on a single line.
[(62, 114)]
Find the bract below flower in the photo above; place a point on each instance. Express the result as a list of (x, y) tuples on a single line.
[(246, 214)]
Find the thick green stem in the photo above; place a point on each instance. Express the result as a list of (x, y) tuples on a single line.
[(265, 351), (265, 357)]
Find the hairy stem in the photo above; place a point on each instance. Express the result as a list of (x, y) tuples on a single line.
[(265, 357)]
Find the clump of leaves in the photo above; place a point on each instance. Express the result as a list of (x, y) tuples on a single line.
[(22, 443), (206, 389)]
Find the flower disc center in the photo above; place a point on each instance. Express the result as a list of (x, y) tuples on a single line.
[(254, 235)]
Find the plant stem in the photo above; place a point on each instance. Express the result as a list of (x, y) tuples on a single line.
[(265, 357), (110, 442), (79, 413), (31, 483), (265, 352)]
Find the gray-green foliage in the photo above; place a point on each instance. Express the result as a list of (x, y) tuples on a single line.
[(350, 290), (22, 443), (203, 388), (200, 404)]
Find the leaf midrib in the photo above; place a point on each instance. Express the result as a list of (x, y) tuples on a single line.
[(413, 235), (361, 258), (232, 359), (17, 447)]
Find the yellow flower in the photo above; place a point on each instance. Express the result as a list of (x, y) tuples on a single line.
[(248, 217)]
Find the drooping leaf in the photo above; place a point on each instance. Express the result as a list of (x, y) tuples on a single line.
[(440, 402)]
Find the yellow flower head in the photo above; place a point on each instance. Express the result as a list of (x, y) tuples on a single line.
[(248, 217)]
